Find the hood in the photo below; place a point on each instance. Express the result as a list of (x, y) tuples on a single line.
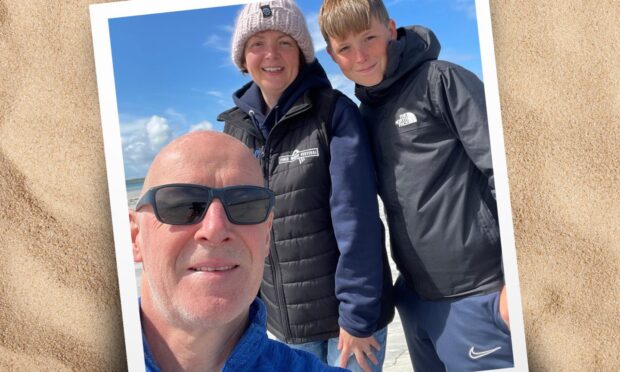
[(413, 46), (250, 100)]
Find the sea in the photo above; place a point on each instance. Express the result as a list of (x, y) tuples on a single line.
[(133, 187), (134, 184)]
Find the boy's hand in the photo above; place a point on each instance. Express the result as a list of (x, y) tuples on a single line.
[(503, 307), (361, 347)]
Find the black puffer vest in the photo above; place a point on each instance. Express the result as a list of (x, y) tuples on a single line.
[(298, 286), (298, 283)]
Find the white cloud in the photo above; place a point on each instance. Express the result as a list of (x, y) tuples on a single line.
[(217, 42), (212, 39), (223, 99), (391, 3), (141, 141), (215, 93), (128, 128), (315, 32), (135, 152), (466, 6), (456, 57), (172, 113), (227, 28), (158, 132), (228, 63), (203, 125)]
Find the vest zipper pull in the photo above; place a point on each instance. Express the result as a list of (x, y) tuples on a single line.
[(261, 152)]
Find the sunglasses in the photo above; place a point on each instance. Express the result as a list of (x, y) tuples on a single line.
[(187, 204)]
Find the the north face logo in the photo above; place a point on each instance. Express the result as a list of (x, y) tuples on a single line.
[(300, 156), (406, 119)]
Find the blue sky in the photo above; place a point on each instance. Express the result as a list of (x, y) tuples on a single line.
[(173, 71)]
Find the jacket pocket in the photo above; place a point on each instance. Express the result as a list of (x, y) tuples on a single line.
[(413, 128), (488, 224)]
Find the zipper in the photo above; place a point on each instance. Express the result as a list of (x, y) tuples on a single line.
[(255, 123), (277, 276)]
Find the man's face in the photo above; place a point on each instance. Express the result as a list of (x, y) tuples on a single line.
[(209, 272), (362, 57)]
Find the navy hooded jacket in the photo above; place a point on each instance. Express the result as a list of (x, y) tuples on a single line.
[(428, 125)]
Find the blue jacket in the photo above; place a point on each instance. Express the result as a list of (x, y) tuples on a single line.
[(255, 352)]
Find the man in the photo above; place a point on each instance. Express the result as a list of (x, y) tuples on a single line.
[(427, 123), (201, 230)]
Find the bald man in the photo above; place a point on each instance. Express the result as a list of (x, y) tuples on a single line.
[(201, 230)]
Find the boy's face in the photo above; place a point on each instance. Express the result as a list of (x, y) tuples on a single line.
[(362, 57)]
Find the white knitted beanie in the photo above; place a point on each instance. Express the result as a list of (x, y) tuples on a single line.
[(278, 15)]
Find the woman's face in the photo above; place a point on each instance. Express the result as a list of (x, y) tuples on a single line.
[(272, 60)]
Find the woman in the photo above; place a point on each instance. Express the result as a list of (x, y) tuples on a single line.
[(325, 288)]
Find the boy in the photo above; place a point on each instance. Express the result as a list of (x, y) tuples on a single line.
[(427, 123)]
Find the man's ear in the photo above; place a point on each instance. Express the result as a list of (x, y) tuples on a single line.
[(269, 223), (392, 28), (134, 228)]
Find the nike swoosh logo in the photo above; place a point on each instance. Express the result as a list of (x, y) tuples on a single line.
[(475, 355)]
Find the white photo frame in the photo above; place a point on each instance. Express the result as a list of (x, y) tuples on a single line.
[(502, 193), (101, 14)]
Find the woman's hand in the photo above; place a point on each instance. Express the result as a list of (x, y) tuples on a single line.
[(361, 347)]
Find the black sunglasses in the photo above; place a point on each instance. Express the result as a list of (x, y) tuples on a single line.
[(187, 204)]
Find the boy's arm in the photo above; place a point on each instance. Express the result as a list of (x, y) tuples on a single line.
[(460, 95), (464, 108), (356, 222)]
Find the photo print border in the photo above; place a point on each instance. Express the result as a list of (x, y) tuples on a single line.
[(102, 14)]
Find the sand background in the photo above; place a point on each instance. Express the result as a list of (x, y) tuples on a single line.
[(559, 74)]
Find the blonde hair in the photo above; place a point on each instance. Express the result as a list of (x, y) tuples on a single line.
[(340, 18)]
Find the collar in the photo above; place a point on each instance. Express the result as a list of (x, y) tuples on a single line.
[(245, 353)]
